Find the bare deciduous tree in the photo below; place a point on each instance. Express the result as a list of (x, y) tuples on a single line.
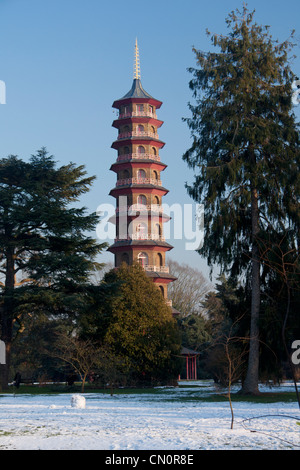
[(189, 290), (82, 355)]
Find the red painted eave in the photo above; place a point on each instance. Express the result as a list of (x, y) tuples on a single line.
[(139, 140), (137, 164), (129, 246), (122, 101), (119, 191), (138, 119)]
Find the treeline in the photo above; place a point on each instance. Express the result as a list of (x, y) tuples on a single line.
[(58, 324), (220, 331), (122, 333), (55, 322), (245, 158)]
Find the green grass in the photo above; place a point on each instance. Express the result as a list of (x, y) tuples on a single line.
[(268, 397), (60, 388), (193, 394), (6, 433)]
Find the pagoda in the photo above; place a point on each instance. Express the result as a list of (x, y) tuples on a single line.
[(139, 216)]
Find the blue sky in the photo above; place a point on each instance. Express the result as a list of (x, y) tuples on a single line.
[(64, 62)]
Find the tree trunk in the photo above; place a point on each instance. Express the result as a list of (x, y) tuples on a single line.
[(285, 345), (250, 385), (7, 316)]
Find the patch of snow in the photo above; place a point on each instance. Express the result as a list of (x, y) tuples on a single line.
[(168, 419), (78, 401)]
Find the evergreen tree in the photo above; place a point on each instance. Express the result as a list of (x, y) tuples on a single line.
[(45, 254), (246, 152), (194, 331), (30, 352), (226, 309), (137, 325)]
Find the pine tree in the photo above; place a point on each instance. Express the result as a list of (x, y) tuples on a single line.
[(245, 152), (44, 249)]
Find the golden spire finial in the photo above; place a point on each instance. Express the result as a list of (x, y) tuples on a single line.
[(137, 69)]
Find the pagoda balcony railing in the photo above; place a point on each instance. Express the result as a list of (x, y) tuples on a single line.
[(140, 208), (139, 236), (126, 135), (128, 181), (160, 269), (140, 156), (137, 114)]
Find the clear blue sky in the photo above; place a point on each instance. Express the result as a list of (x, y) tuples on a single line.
[(64, 62)]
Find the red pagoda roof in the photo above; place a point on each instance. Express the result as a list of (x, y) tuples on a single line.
[(137, 94)]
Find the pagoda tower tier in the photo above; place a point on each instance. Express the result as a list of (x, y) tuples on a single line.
[(139, 217)]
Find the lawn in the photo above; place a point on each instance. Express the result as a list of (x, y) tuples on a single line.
[(192, 416)]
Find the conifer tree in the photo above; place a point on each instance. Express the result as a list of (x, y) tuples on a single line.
[(44, 246), (245, 153)]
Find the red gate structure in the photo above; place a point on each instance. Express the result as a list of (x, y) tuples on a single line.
[(191, 363)]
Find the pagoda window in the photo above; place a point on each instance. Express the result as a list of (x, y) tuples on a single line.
[(159, 259), (125, 131), (140, 108), (151, 110), (143, 259), (142, 199), (140, 129), (162, 290), (157, 229), (125, 258), (126, 174), (156, 200), (141, 231), (126, 110), (126, 150), (141, 174), (141, 150), (155, 174), (154, 151)]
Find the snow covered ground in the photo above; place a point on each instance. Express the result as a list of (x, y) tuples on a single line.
[(170, 419)]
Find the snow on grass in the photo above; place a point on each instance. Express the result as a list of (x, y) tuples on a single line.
[(166, 420)]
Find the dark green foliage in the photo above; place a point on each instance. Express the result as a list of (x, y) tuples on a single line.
[(226, 310), (245, 153), (31, 350), (46, 235), (194, 331), (134, 321), (46, 255), (244, 134)]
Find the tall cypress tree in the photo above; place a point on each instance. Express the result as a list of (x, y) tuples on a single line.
[(43, 239), (245, 153)]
